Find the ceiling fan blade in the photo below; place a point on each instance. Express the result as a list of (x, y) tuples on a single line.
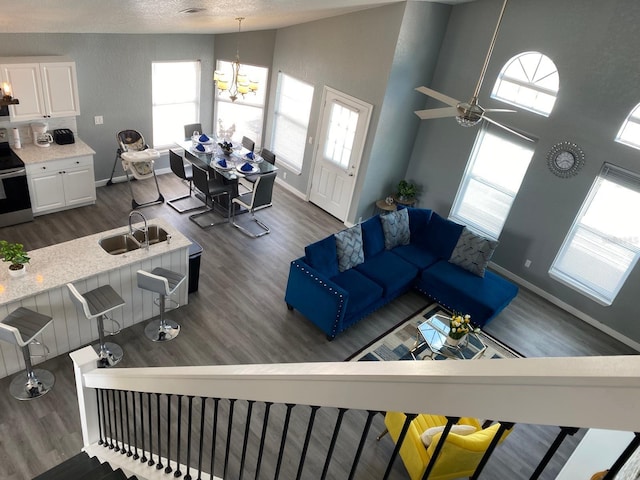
[(508, 129), (437, 113), (504, 110), (439, 96)]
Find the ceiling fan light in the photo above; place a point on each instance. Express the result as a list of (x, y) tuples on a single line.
[(467, 122), (223, 85), (253, 85)]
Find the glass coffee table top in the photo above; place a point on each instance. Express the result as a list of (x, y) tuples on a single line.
[(431, 340)]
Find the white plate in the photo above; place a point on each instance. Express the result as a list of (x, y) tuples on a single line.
[(253, 170), (196, 138), (207, 149), (220, 167), (256, 159)]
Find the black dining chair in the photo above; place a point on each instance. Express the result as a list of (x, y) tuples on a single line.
[(185, 172), (211, 188), (258, 198), (192, 127), (248, 143), (249, 181)]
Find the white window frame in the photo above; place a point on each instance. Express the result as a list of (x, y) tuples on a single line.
[(254, 100), (629, 133), (480, 223), (530, 90), (289, 144), (601, 242), (178, 98)]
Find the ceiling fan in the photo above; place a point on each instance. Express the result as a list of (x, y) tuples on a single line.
[(468, 114)]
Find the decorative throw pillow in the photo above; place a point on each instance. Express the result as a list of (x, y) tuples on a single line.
[(349, 248), (429, 433), (395, 226), (473, 252)]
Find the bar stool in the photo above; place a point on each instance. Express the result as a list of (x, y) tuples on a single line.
[(21, 328), (97, 303), (163, 282)]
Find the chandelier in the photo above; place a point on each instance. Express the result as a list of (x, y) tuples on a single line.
[(240, 83)]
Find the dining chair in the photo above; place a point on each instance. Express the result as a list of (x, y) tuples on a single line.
[(192, 127), (185, 172), (249, 181), (259, 197), (211, 188), (248, 143)]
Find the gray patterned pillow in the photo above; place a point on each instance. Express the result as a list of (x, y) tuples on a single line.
[(473, 252), (395, 226), (349, 248)]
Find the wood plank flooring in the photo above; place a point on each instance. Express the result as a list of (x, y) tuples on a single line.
[(238, 316)]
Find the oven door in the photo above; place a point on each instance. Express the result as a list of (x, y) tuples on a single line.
[(14, 191)]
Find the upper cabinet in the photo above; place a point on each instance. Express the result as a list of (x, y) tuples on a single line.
[(44, 89)]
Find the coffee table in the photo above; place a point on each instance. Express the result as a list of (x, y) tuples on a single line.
[(432, 335)]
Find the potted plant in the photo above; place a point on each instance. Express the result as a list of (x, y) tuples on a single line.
[(14, 254), (406, 191), (459, 327)]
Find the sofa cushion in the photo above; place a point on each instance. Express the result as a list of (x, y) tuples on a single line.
[(415, 255), (460, 290), (372, 236), (395, 226), (418, 223), (442, 236), (349, 248), (429, 433), (362, 291), (322, 256), (473, 252), (389, 271)]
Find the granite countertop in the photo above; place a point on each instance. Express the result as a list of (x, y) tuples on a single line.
[(31, 154), (56, 265)]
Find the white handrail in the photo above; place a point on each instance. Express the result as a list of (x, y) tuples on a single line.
[(592, 392)]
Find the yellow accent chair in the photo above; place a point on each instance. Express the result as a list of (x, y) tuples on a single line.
[(459, 456)]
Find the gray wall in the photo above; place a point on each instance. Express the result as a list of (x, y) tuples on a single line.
[(594, 46), (114, 80)]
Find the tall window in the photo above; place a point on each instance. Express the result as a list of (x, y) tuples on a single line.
[(245, 116), (629, 133), (529, 80), (603, 244), (498, 163), (176, 100), (291, 120)]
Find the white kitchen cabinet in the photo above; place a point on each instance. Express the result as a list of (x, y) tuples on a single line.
[(60, 184), (44, 89)]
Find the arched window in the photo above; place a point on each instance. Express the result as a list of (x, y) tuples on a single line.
[(629, 133), (529, 80)]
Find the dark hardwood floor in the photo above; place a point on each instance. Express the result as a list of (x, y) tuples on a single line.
[(238, 316)]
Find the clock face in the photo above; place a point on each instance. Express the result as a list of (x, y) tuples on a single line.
[(565, 159)]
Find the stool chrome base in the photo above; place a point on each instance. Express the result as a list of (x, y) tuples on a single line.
[(108, 356), (164, 331), (37, 384)]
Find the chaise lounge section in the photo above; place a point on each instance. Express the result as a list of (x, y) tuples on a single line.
[(346, 276)]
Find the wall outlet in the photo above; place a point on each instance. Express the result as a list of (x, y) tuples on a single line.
[(98, 120), (527, 263)]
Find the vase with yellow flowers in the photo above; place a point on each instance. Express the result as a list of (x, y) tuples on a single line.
[(459, 327)]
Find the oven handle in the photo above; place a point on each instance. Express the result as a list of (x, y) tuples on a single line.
[(15, 173)]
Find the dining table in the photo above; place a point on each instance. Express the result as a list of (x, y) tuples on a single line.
[(226, 166)]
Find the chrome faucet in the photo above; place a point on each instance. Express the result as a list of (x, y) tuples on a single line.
[(145, 230)]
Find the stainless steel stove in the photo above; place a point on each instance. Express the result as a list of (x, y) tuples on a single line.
[(15, 204)]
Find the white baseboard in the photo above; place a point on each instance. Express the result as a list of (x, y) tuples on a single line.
[(123, 178), (566, 307), (291, 189)]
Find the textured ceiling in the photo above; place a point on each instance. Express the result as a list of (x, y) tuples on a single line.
[(165, 16)]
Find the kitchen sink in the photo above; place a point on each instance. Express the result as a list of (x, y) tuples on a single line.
[(156, 235), (119, 244)]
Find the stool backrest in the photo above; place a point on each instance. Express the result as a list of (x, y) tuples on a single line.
[(153, 283), (10, 334), (79, 300)]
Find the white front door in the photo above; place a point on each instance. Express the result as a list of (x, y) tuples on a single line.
[(343, 126)]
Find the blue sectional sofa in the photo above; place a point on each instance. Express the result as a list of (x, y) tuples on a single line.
[(345, 277)]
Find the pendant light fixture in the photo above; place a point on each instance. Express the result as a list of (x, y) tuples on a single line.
[(240, 84)]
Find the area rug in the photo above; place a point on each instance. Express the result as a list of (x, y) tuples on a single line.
[(397, 343)]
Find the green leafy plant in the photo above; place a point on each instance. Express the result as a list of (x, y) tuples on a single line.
[(13, 253), (407, 190)]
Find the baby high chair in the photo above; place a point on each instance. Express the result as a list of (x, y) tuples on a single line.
[(137, 161)]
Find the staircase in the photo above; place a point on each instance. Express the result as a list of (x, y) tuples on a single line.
[(83, 467)]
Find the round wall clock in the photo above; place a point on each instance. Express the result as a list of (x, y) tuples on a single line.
[(565, 159)]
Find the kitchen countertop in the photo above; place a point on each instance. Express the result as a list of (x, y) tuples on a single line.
[(31, 154), (56, 265)]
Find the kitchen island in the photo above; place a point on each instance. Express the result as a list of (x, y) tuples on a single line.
[(84, 263)]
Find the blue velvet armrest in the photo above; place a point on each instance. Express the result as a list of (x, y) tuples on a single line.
[(316, 297)]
